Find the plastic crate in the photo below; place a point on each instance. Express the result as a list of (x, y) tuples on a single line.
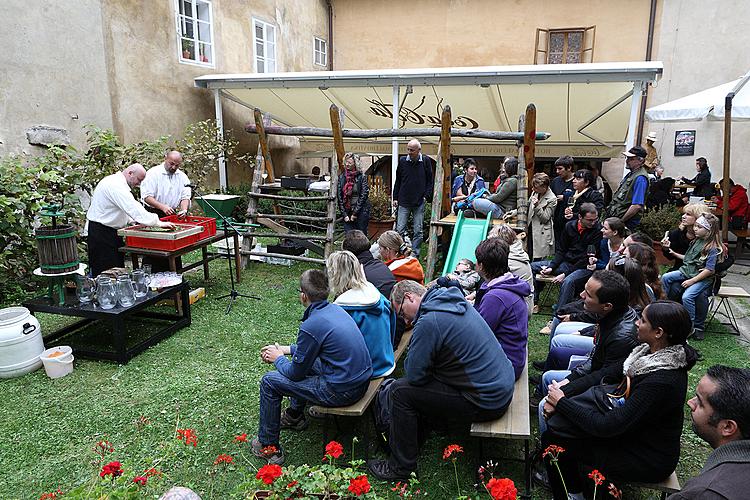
[(135, 236), (208, 223)]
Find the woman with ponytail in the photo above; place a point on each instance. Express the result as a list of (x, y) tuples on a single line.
[(396, 254)]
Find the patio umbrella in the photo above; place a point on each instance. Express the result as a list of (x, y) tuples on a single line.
[(724, 102)]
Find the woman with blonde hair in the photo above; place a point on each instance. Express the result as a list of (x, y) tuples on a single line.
[(542, 205), (366, 305), (396, 254), (679, 239), (353, 195)]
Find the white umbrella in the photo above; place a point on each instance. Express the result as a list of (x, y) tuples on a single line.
[(706, 103)]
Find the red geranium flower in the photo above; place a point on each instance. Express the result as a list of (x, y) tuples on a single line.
[(501, 489), (152, 472), (223, 459), (269, 473), (292, 485), (359, 485), (614, 491), (334, 449), (187, 435), (269, 450), (597, 477), (450, 450), (51, 495), (241, 438), (113, 468), (140, 480), (553, 450), (103, 447)]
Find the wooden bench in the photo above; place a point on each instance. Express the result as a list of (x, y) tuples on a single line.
[(742, 235), (514, 424), (549, 279), (360, 407), (668, 486)]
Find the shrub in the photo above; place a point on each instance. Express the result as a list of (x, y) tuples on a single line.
[(656, 221)]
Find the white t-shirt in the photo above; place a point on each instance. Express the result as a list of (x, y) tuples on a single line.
[(165, 187), (113, 204)]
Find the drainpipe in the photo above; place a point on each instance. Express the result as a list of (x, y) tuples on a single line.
[(649, 50), (330, 35)]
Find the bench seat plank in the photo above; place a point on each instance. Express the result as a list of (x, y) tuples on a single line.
[(515, 424), (669, 485)]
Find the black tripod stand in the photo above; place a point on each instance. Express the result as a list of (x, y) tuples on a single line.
[(233, 293)]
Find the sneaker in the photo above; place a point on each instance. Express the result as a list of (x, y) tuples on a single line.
[(312, 413), (534, 400), (535, 379), (547, 329), (535, 309), (382, 470), (295, 424), (541, 478), (697, 334), (272, 454), (538, 365)]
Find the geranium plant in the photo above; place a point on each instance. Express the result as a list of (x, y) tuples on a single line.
[(553, 452)]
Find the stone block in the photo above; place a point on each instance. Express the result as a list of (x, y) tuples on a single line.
[(46, 135)]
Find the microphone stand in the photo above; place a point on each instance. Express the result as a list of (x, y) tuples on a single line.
[(233, 293)]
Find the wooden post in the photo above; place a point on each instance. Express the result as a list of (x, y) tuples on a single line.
[(442, 176), (252, 203), (526, 174), (338, 144), (263, 140)]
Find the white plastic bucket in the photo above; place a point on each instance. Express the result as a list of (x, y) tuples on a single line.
[(20, 342), (59, 365)]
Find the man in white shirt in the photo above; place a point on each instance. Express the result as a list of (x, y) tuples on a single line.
[(114, 207), (164, 189)]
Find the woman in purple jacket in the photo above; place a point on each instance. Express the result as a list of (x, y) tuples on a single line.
[(501, 301)]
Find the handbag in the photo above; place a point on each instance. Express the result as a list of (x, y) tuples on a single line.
[(601, 398)]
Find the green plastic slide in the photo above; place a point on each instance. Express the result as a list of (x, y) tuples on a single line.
[(467, 234)]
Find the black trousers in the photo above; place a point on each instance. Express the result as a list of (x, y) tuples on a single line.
[(414, 407), (103, 243)]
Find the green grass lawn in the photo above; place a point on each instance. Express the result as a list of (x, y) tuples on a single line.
[(206, 377)]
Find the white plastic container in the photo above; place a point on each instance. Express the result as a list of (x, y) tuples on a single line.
[(57, 365), (20, 342)]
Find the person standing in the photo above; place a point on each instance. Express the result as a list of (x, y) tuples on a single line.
[(412, 187), (630, 198), (354, 195), (542, 204), (562, 187), (720, 412), (114, 207), (164, 190)]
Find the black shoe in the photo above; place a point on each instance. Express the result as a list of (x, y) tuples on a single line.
[(381, 469), (697, 334), (470, 214), (538, 365), (541, 478), (535, 379), (534, 400), (295, 424)]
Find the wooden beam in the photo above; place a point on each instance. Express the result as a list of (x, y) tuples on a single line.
[(338, 143), (526, 166), (445, 158), (437, 197), (289, 198), (263, 139), (394, 132)]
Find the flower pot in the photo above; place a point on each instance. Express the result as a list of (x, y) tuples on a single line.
[(661, 259), (377, 227)]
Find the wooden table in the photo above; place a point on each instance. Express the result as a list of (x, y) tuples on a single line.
[(113, 323), (207, 256)]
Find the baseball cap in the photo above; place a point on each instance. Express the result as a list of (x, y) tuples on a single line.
[(635, 151)]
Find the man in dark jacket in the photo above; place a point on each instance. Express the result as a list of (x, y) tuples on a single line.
[(606, 294), (562, 186), (720, 412), (580, 240), (376, 271), (330, 366), (412, 187), (456, 373)]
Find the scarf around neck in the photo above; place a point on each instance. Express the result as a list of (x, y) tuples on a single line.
[(351, 178), (640, 362)]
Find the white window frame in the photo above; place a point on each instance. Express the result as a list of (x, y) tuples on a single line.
[(324, 52), (196, 41), (265, 59)]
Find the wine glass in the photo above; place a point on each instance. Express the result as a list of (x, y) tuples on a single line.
[(327, 177), (265, 176)]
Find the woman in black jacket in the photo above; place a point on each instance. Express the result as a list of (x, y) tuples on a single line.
[(585, 192), (702, 181), (354, 195), (639, 439)]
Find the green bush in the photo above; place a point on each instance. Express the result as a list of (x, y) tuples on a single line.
[(656, 221)]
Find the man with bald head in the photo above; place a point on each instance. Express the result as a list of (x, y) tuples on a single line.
[(412, 187), (164, 189), (114, 207)]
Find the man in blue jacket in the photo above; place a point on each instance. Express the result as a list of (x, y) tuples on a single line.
[(412, 186), (330, 366), (456, 373)]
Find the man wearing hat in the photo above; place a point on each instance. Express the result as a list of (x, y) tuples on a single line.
[(652, 158), (629, 199)]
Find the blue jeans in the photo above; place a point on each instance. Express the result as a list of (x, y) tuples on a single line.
[(547, 378), (692, 297), (564, 346), (485, 206), (402, 217), (312, 389)]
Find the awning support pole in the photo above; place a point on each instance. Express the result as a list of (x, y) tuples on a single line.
[(220, 136), (728, 152), (394, 142), (635, 106)]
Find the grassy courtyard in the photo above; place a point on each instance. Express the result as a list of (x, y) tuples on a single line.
[(205, 378)]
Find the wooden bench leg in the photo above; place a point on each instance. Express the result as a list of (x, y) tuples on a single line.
[(527, 468)]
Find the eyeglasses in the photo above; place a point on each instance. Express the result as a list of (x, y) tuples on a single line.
[(400, 312)]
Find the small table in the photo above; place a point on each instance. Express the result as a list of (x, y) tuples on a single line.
[(172, 255), (115, 321)]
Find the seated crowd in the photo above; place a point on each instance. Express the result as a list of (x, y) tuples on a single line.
[(612, 387)]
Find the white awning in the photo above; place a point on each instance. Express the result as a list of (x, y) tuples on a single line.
[(587, 108), (707, 103)]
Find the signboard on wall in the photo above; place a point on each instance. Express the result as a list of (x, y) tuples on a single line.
[(684, 143)]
